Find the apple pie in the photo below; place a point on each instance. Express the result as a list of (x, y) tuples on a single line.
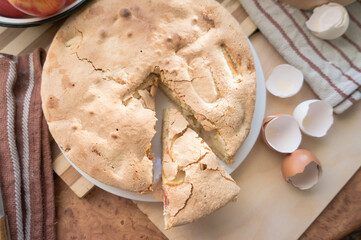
[(105, 64)]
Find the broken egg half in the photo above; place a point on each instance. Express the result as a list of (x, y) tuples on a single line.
[(301, 169), (284, 81), (329, 21), (281, 132), (315, 117)]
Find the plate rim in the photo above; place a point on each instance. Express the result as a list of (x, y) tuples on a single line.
[(256, 125)]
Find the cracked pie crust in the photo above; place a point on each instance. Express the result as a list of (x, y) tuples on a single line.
[(102, 72), (194, 184)]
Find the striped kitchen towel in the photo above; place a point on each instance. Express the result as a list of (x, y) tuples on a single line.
[(332, 68), (26, 175)]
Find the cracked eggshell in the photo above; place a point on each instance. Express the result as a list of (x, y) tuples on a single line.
[(302, 169), (284, 81), (315, 117), (281, 133), (328, 21)]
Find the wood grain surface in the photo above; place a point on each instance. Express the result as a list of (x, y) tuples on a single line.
[(341, 216), (2, 228), (76, 182), (76, 216), (99, 216)]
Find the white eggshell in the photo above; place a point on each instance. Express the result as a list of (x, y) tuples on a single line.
[(284, 81), (283, 134), (314, 117), (329, 21)]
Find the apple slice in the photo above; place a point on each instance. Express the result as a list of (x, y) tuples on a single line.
[(39, 8), (7, 10)]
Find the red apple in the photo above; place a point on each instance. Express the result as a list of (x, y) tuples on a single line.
[(39, 8), (68, 2), (7, 10)]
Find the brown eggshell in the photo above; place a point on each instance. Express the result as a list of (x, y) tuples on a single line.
[(296, 162), (311, 4), (266, 120)]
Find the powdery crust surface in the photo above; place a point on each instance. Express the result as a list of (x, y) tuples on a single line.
[(194, 184), (101, 75)]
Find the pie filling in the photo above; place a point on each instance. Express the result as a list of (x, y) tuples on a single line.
[(166, 213), (231, 63), (212, 138), (177, 180)]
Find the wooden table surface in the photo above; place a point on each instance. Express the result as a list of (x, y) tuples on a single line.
[(101, 215)]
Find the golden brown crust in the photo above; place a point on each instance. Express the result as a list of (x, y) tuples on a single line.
[(99, 81), (213, 78), (194, 184)]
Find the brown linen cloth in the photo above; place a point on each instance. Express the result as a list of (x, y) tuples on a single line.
[(26, 175)]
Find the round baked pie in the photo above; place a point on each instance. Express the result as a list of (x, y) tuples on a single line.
[(105, 64)]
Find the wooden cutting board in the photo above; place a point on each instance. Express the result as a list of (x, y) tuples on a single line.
[(77, 183)]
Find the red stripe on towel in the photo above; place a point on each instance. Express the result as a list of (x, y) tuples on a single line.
[(352, 18), (351, 42)]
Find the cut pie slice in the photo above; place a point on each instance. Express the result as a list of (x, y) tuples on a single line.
[(194, 184)]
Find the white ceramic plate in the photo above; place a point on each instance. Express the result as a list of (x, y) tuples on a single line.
[(163, 102), (29, 21)]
